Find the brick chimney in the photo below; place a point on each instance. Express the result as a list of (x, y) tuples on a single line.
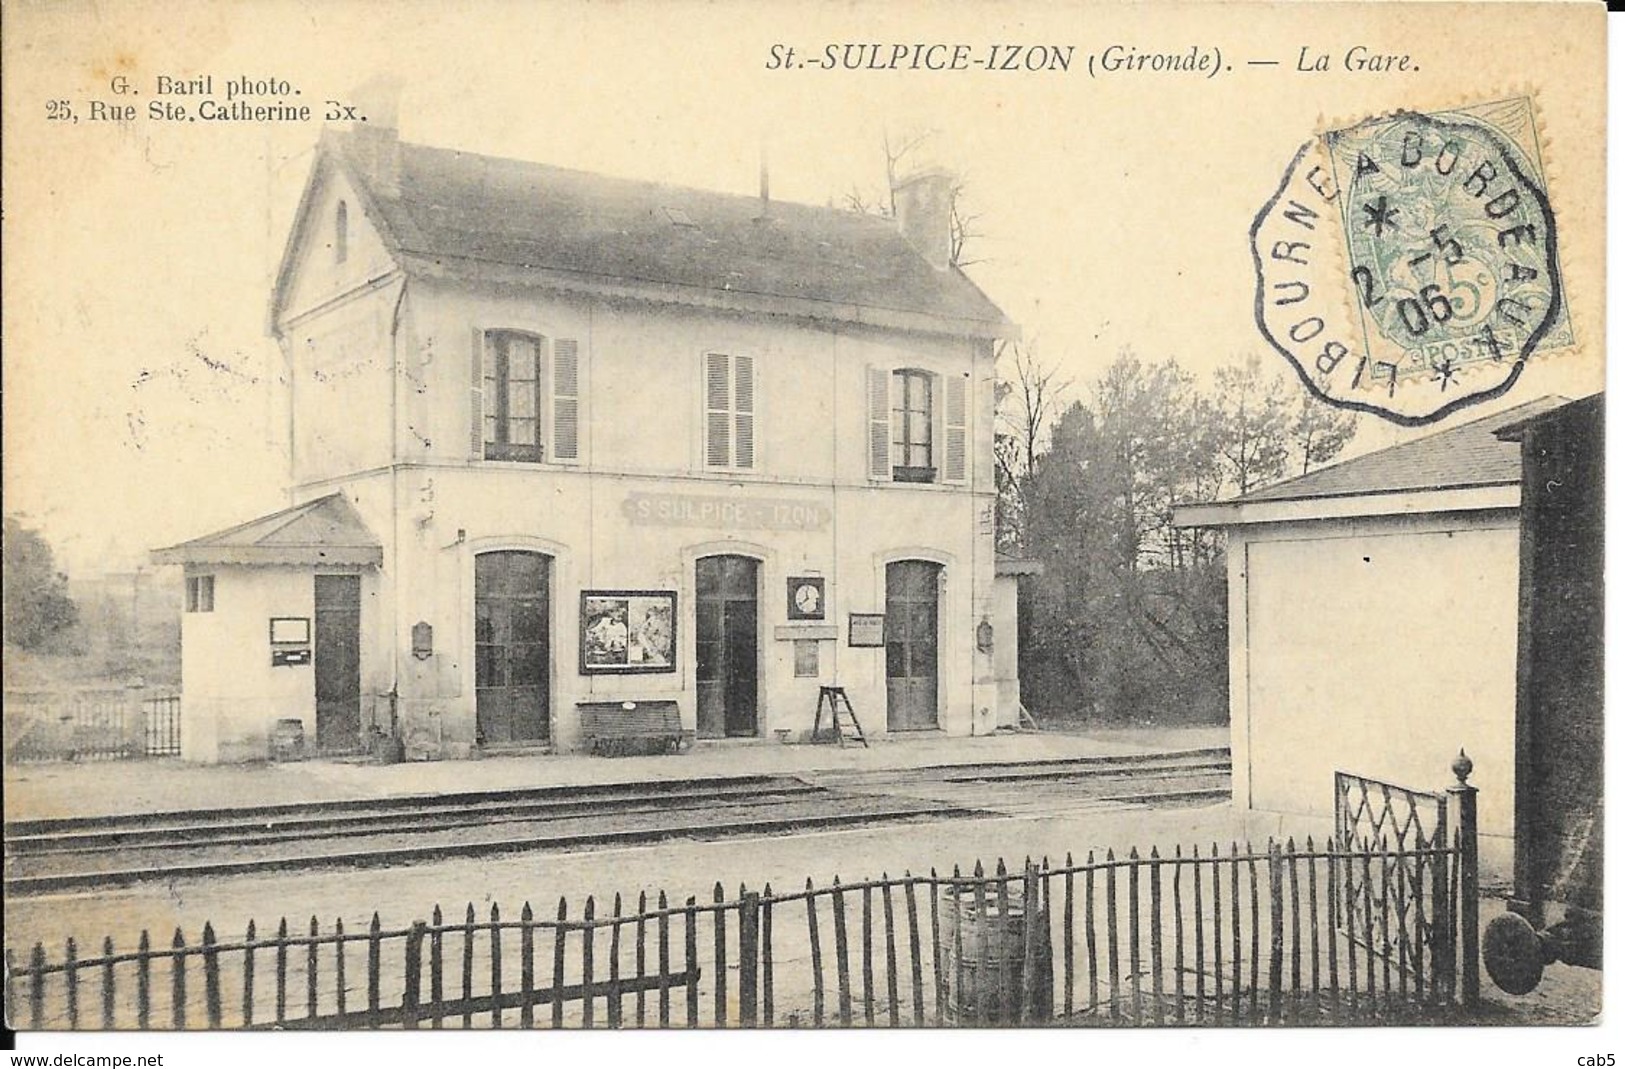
[(924, 202)]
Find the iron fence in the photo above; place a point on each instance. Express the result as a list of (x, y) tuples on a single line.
[(100, 724)]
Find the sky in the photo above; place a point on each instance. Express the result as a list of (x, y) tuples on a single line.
[(1114, 209)]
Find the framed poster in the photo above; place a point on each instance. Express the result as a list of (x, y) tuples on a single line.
[(866, 629), (626, 631), (804, 597)]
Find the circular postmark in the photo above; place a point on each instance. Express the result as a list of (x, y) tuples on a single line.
[(1407, 266)]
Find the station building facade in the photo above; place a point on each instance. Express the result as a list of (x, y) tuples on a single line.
[(559, 439)]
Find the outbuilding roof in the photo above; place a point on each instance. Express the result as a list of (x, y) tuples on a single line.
[(450, 214), (1464, 456), (1466, 467), (326, 531)]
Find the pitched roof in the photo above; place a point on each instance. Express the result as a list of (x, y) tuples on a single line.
[(326, 531), (451, 214), (1469, 455), (1585, 408)]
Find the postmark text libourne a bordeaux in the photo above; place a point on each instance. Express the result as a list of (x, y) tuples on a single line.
[(1407, 266)]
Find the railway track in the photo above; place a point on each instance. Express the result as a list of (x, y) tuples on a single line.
[(89, 853)]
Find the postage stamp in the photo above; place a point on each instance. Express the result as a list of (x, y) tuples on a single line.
[(1407, 265)]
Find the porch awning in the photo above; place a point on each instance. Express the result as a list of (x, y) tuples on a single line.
[(326, 531)]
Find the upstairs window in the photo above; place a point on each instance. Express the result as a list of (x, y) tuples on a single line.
[(341, 233), (513, 396), (730, 411), (911, 426), (917, 426), (526, 396), (200, 593)]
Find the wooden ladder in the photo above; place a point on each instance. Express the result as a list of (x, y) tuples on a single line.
[(840, 706)]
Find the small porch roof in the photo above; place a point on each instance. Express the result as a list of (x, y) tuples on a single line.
[(326, 531)]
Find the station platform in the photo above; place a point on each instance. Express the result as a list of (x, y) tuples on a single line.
[(106, 788)]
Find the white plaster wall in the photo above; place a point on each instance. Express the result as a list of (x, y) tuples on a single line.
[(317, 275), (580, 520), (641, 413), (1380, 647), (641, 379), (231, 696), (1005, 661)]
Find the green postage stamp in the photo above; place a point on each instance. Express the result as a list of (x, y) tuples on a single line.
[(1407, 265)]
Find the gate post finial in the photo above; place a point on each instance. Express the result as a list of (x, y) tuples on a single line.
[(1464, 811)]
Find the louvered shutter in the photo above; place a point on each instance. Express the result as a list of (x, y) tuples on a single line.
[(879, 423), (717, 415), (744, 412), (954, 428), (478, 358), (566, 399)]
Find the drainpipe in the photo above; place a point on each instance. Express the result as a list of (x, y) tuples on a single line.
[(395, 508)]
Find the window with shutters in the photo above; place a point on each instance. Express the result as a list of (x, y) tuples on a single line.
[(527, 397), (730, 411), (911, 426), (917, 426)]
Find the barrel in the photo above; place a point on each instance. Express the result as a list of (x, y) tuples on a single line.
[(288, 740), (984, 956)]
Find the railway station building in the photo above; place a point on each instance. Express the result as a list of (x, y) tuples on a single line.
[(561, 441)]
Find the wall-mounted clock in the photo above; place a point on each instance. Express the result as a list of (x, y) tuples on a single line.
[(805, 597)]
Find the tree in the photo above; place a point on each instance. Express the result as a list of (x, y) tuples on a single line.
[(1251, 425), (1027, 399), (1318, 432), (1127, 618), (37, 607), (898, 152)]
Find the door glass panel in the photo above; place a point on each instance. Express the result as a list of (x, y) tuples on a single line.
[(529, 621), (727, 638), (911, 644), (527, 664), (708, 620), (511, 651)]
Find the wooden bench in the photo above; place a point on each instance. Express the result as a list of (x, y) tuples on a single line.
[(617, 729)]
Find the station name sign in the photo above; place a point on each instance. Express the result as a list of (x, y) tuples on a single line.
[(725, 513)]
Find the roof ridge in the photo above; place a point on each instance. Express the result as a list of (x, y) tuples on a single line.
[(511, 162), (1498, 417)]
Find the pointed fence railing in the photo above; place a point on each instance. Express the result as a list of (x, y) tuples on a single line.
[(1283, 934)]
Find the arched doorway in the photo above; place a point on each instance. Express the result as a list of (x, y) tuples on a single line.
[(911, 644), (727, 645), (512, 647)]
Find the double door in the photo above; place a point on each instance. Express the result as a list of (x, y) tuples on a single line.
[(911, 644), (727, 639), (511, 647)]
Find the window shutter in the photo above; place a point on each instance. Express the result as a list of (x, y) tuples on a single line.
[(717, 414), (744, 409), (477, 358), (954, 429), (879, 423), (566, 400)]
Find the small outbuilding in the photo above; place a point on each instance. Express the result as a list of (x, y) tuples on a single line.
[(273, 611), (1373, 609)]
